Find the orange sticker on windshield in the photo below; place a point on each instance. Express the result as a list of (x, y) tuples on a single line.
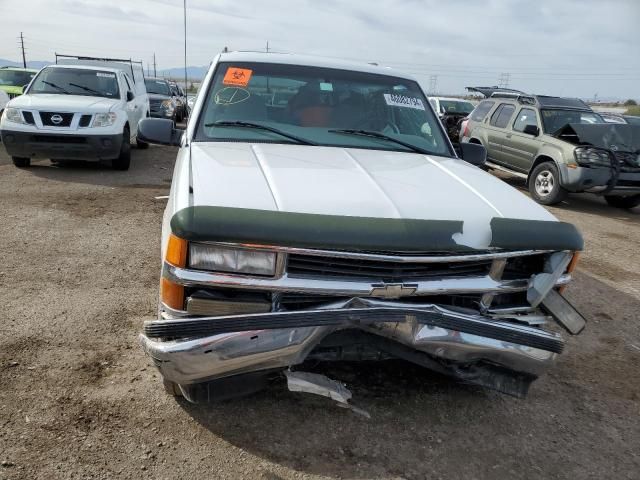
[(237, 76)]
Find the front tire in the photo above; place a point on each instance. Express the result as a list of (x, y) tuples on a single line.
[(124, 159), (623, 202), (544, 184), (21, 162)]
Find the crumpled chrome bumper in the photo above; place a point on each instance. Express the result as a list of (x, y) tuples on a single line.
[(206, 348)]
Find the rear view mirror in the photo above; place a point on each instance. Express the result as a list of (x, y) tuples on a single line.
[(473, 153), (531, 130), (130, 96), (159, 131)]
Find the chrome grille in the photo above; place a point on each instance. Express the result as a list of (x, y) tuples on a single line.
[(300, 265)]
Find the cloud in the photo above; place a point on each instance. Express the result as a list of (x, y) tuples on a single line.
[(573, 47)]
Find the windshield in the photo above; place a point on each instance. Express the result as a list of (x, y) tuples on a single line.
[(554, 120), (72, 81), (320, 106), (15, 78), (453, 106), (632, 120), (159, 87)]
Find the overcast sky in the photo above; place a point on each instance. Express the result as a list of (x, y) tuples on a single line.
[(560, 47)]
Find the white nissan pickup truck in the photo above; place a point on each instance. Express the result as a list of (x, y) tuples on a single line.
[(77, 112), (318, 212)]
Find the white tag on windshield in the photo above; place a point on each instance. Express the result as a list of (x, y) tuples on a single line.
[(105, 75), (402, 101)]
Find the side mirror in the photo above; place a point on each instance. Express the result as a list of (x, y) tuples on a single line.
[(532, 130), (159, 131), (473, 153), (130, 96)]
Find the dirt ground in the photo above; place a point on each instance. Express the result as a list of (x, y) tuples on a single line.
[(78, 399)]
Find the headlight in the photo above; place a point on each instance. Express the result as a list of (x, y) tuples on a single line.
[(104, 119), (168, 106), (587, 156), (13, 115), (236, 260)]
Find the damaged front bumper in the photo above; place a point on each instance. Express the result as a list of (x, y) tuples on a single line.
[(489, 351)]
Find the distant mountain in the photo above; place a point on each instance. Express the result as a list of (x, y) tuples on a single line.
[(193, 73), (35, 64)]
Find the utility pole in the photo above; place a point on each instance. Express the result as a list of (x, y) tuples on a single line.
[(185, 45), (154, 64), (504, 80), (433, 84), (267, 46), (24, 59)]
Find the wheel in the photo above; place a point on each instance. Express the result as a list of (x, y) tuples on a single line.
[(544, 184), (171, 388), (21, 162), (141, 145), (124, 160), (623, 202)]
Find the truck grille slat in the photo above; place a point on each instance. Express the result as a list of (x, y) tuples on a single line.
[(309, 265)]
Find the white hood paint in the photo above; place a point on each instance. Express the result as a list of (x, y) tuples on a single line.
[(356, 182), (72, 103)]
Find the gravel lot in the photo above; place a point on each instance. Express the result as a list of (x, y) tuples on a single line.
[(78, 399)]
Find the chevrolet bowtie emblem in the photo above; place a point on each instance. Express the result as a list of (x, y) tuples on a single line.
[(392, 290)]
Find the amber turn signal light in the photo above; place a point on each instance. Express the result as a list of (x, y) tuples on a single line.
[(172, 294), (571, 267), (176, 251)]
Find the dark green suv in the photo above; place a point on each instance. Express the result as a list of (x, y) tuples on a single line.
[(559, 145)]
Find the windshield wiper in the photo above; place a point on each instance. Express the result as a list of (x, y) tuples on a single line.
[(51, 84), (86, 89), (382, 136), (238, 123)]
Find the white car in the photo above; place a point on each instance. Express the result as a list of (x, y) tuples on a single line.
[(451, 106), (76, 112), (339, 224), (4, 99)]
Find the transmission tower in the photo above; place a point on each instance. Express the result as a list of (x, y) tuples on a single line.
[(433, 84), (503, 80)]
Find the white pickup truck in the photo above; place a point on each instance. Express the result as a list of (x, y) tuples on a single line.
[(87, 110), (319, 212)]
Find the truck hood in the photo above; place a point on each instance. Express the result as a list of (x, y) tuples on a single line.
[(614, 136), (49, 102), (356, 182)]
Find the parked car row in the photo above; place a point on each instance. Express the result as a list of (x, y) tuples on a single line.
[(83, 108), (338, 223)]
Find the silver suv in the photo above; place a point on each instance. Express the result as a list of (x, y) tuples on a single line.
[(559, 145)]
